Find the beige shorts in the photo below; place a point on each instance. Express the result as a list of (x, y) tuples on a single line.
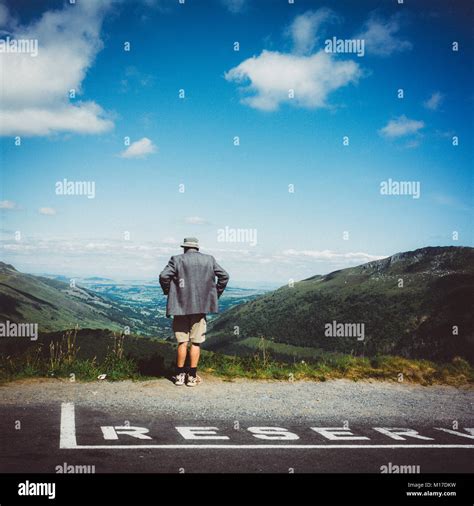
[(190, 327)]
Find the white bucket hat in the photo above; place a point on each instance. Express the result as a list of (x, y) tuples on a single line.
[(190, 242)]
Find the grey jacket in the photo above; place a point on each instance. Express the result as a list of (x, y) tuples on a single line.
[(189, 280)]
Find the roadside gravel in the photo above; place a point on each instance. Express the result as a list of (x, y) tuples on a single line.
[(215, 398)]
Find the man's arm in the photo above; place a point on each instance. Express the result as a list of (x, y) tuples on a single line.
[(167, 275), (222, 278)]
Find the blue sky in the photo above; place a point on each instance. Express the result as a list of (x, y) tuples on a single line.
[(190, 141)]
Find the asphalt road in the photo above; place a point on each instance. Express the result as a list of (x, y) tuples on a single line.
[(115, 427)]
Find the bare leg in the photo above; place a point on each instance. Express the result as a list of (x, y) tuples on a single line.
[(182, 351), (194, 354)]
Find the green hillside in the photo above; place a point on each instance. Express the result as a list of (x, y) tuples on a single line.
[(52, 303), (414, 320)]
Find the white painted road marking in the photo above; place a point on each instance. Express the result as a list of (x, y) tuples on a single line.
[(258, 447), (398, 433), (68, 440), (337, 433), (200, 433), (457, 433), (111, 432), (68, 426), (270, 433)]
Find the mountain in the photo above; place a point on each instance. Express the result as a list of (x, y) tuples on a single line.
[(52, 303), (409, 304)]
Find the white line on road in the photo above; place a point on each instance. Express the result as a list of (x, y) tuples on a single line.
[(67, 437), (68, 441), (258, 447)]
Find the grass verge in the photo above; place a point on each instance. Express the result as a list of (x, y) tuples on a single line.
[(333, 366), (61, 361), (142, 358)]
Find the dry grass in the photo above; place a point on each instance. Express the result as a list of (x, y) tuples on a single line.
[(387, 368)]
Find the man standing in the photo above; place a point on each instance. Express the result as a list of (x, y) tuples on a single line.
[(189, 281)]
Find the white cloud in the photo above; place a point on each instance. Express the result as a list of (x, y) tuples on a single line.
[(234, 6), (381, 36), (139, 149), (271, 75), (434, 101), (84, 118), (304, 29), (401, 127), (195, 220), (114, 257), (35, 90), (8, 204), (170, 240), (330, 256), (83, 247), (48, 211)]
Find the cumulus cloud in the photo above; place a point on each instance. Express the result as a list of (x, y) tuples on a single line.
[(35, 89), (381, 36), (401, 126), (271, 75), (434, 101), (304, 29), (139, 149), (302, 77), (48, 211), (84, 118), (8, 204)]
